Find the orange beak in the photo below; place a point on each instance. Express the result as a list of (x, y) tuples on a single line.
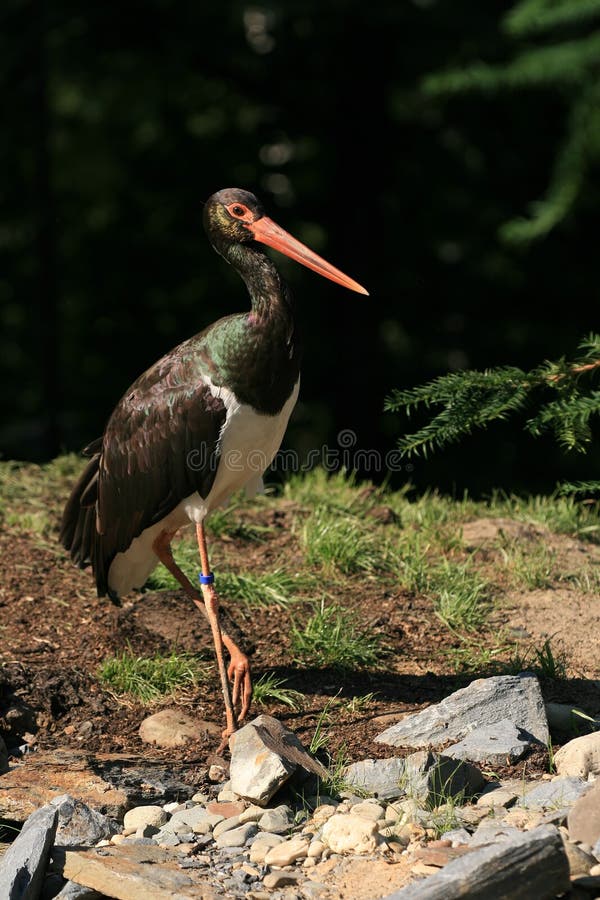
[(268, 232)]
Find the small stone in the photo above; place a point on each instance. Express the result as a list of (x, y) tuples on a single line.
[(145, 815), (190, 818), (580, 757), (165, 838), (217, 773), (309, 862), (226, 795), (324, 812), (457, 837), (252, 814), (118, 839), (595, 870), (316, 848), (236, 837), (347, 832), (261, 846), (500, 794), (580, 862), (225, 825), (287, 852), (227, 809), (199, 798), (584, 818), (172, 807), (369, 810), (276, 821), (280, 879), (174, 728)]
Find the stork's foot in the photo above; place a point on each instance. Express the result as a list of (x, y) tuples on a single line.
[(238, 672)]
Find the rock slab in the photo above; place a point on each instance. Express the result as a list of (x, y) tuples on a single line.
[(23, 866), (380, 777), (485, 701), (534, 864), (130, 873), (498, 744), (264, 755)]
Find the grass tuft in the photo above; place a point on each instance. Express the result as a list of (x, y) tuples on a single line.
[(344, 544), (149, 678), (331, 638), (269, 688)]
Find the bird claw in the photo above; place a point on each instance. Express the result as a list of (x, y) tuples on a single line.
[(239, 675)]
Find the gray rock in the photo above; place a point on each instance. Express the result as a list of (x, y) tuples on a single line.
[(554, 794), (236, 837), (24, 863), (498, 744), (458, 836), (380, 777), (166, 838), (432, 779), (79, 825), (491, 832), (73, 891), (485, 701), (276, 821), (500, 793), (264, 755), (3, 757), (584, 817), (191, 818), (530, 865)]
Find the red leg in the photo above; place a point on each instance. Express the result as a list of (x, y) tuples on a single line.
[(239, 666)]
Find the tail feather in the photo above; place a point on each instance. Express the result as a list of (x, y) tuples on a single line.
[(78, 532)]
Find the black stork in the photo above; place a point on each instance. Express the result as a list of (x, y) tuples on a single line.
[(190, 431)]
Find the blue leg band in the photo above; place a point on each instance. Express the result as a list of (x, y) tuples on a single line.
[(206, 579)]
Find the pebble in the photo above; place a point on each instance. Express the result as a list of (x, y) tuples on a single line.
[(262, 844), (217, 773), (287, 852), (225, 825), (369, 810), (145, 815), (315, 848), (199, 798), (280, 879), (227, 809), (252, 814), (171, 807), (276, 821), (350, 833), (236, 837)]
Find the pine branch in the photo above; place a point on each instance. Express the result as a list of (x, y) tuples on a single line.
[(534, 16), (471, 399)]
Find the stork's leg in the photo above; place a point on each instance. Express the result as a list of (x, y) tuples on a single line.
[(239, 666)]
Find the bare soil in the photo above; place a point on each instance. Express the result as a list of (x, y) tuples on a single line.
[(55, 633)]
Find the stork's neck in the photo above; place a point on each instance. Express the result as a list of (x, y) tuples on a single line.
[(268, 291)]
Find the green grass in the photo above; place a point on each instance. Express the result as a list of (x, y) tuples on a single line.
[(332, 639), (149, 678), (546, 660), (344, 544), (223, 523), (270, 689), (460, 595), (531, 565)]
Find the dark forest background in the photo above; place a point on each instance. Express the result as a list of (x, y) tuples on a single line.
[(120, 119)]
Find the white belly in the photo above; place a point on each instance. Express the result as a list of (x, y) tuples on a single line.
[(247, 446)]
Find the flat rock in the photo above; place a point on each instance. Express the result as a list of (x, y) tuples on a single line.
[(485, 701), (583, 820), (44, 775), (108, 783), (346, 833), (554, 794), (23, 866), (580, 757), (192, 818), (499, 744), (432, 778), (174, 728), (492, 832), (500, 793), (131, 872), (228, 808), (530, 865), (261, 846), (79, 825), (264, 754), (380, 777), (287, 852)]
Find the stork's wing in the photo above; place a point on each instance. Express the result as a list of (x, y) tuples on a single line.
[(160, 446)]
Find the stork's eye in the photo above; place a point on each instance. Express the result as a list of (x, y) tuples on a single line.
[(239, 211)]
